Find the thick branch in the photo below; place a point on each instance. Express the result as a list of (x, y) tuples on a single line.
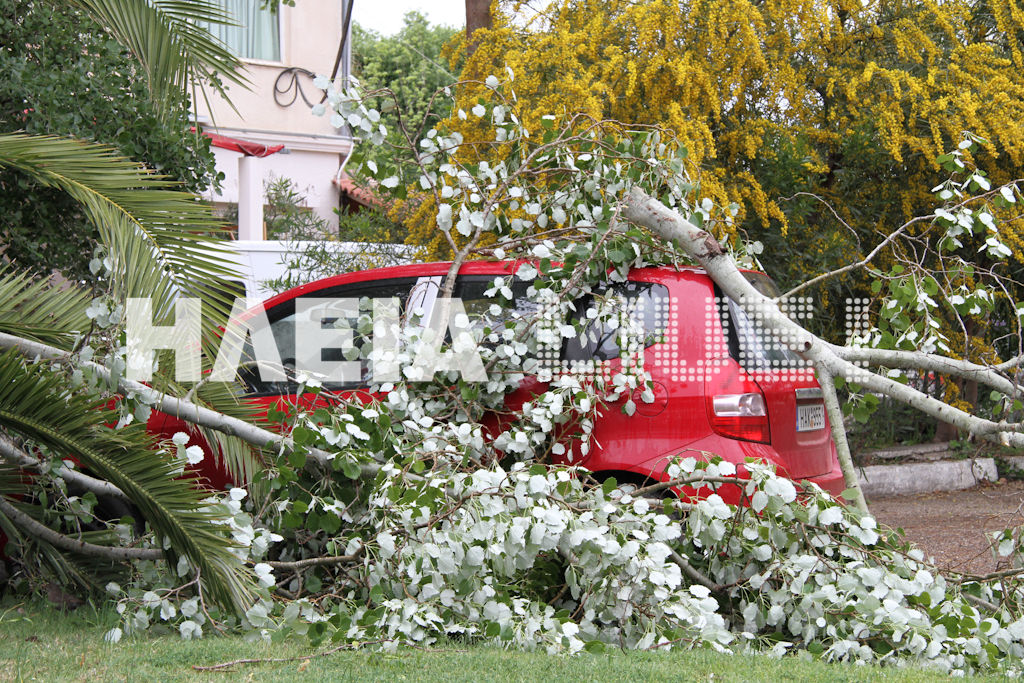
[(918, 360), (176, 407), (45, 533), (644, 210), (694, 575), (835, 419), (10, 451)]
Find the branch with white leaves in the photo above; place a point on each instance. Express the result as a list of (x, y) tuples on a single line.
[(644, 210)]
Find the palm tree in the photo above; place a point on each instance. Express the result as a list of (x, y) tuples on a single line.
[(151, 232)]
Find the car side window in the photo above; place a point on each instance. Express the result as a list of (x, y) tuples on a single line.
[(338, 309), (646, 304)]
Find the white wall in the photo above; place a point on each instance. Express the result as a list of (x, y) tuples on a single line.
[(311, 171), (310, 35)]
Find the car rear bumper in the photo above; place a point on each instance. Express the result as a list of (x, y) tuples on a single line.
[(832, 482)]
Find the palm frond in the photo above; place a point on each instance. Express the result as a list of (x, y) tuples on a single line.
[(161, 240), (161, 243), (36, 405), (167, 38), (41, 311)]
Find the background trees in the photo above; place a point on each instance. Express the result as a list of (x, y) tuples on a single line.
[(848, 101), (410, 66)]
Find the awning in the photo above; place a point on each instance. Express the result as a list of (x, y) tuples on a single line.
[(249, 149)]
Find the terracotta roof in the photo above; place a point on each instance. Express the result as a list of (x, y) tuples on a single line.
[(357, 194)]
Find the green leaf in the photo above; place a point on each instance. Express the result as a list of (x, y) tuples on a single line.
[(330, 523), (350, 469), (35, 404)]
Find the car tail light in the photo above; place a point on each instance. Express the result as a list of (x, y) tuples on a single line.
[(741, 416), (736, 406)]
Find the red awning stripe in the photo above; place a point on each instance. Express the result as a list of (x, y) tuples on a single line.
[(249, 149)]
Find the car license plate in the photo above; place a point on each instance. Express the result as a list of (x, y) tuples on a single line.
[(809, 418)]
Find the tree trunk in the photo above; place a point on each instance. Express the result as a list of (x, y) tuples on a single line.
[(478, 15)]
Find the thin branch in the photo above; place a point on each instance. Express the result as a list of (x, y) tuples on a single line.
[(690, 571), (319, 561), (277, 660)]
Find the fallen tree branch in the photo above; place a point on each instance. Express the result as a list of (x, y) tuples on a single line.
[(319, 561), (918, 360), (279, 660), (45, 533), (838, 429), (642, 209), (11, 452), (176, 407)]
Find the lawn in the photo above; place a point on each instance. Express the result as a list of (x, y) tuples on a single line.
[(38, 643)]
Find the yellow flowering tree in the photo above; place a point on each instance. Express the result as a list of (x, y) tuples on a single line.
[(850, 101)]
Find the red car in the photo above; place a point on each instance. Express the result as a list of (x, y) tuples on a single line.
[(719, 385)]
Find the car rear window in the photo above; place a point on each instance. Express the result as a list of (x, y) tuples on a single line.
[(754, 347)]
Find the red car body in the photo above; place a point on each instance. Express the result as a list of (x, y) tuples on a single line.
[(705, 400)]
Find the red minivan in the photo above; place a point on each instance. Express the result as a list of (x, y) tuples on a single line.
[(720, 386)]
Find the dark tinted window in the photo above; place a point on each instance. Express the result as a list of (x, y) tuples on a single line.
[(282, 320), (754, 347), (645, 303)]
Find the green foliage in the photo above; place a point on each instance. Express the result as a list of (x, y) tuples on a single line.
[(410, 66), (126, 457), (371, 239), (62, 74)]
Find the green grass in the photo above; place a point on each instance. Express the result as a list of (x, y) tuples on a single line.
[(38, 643)]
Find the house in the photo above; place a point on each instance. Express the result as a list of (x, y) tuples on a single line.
[(268, 131)]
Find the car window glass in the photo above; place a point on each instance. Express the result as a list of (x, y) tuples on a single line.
[(647, 305), (492, 311), (282, 319), (754, 347)]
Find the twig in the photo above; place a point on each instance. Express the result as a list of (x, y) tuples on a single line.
[(319, 561), (690, 571), (278, 660)]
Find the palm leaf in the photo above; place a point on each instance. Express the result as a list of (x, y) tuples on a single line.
[(173, 48), (41, 311), (162, 244), (36, 405), (161, 240)]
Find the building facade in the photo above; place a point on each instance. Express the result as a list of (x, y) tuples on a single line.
[(268, 131)]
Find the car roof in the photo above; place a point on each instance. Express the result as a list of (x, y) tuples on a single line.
[(434, 269)]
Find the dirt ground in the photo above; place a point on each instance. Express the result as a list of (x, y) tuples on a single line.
[(950, 526)]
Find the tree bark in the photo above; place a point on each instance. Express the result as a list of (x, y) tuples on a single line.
[(45, 533), (478, 15)]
